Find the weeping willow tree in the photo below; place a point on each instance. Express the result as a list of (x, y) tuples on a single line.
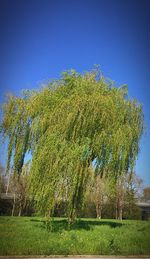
[(70, 126)]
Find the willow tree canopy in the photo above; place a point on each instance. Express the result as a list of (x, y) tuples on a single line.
[(67, 126)]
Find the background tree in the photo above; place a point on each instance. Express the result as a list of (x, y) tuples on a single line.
[(133, 192), (98, 192), (146, 194), (19, 188)]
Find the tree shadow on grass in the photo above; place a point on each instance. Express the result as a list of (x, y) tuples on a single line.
[(80, 224)]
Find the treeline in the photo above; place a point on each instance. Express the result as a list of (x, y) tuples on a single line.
[(108, 199), (104, 198)]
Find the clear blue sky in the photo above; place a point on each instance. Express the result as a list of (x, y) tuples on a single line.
[(40, 39)]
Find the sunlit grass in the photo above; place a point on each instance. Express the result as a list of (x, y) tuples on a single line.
[(32, 235)]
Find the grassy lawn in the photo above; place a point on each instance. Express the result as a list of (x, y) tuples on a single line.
[(31, 235)]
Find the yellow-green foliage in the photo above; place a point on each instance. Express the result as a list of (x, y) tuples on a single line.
[(67, 125)]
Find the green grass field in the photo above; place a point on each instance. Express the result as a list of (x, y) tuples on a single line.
[(32, 236)]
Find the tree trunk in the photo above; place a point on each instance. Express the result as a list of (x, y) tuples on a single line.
[(20, 209), (98, 211), (72, 216), (7, 188), (19, 214), (49, 213), (120, 213), (119, 207), (116, 211), (14, 202)]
